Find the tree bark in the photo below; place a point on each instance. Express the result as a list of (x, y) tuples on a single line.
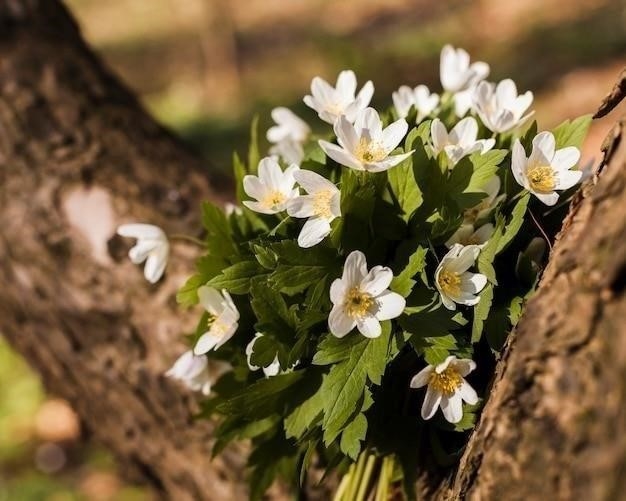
[(78, 156)]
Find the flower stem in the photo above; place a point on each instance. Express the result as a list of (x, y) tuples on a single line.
[(343, 485), (356, 478), (365, 480), (187, 238), (540, 229), (278, 226)]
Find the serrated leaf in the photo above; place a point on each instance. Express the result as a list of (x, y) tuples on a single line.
[(572, 133), (481, 312), (293, 279), (353, 435), (403, 283), (297, 423), (236, 278), (404, 187), (514, 224)]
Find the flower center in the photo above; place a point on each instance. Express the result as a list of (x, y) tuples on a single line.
[(450, 283), (321, 204), (273, 199), (358, 303), (541, 178), (369, 151), (216, 327), (447, 382)]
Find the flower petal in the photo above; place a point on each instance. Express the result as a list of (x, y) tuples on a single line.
[(393, 134), (565, 158), (340, 155), (253, 187), (568, 178), (439, 135), (141, 231), (313, 232), (302, 206), (518, 164), (547, 198), (390, 305), (431, 402), (543, 149), (465, 259), (211, 300), (205, 344), (141, 250), (155, 264), (369, 326), (452, 408), (338, 291), (467, 393), (473, 282), (422, 377), (354, 269), (388, 162), (312, 181), (377, 280), (339, 323), (464, 366)]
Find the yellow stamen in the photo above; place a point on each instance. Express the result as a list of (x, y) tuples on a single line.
[(541, 178), (450, 282), (358, 303), (273, 199), (321, 204), (368, 151), (447, 382), (216, 327)]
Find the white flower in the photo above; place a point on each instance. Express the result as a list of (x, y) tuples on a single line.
[(321, 205), (545, 170), (420, 98), (193, 371), (289, 150), (272, 189), (455, 71), (269, 371), (468, 235), (425, 101), (447, 388), (460, 141), (230, 209), (403, 100), (454, 283), (152, 247), (500, 107), (361, 298), (223, 319), (288, 126), (331, 102), (365, 145), (487, 204), (464, 101)]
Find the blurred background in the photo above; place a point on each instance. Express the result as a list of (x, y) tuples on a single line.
[(205, 67)]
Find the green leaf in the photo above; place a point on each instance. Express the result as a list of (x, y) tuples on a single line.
[(403, 283), (297, 423), (293, 279), (470, 175), (239, 429), (514, 224), (334, 349), (481, 312), (438, 348), (239, 172), (343, 387), (271, 311), (488, 253), (219, 236), (236, 278), (404, 187), (572, 133), (207, 267), (265, 256), (264, 351), (353, 435)]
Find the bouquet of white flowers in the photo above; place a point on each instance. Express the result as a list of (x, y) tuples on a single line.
[(368, 277)]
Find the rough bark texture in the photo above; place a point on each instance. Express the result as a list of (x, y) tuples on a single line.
[(555, 424), (78, 156)]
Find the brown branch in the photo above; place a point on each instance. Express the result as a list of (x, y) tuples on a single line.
[(614, 97)]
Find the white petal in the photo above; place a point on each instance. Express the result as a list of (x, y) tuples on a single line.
[(543, 149), (390, 305), (301, 207), (439, 368), (354, 269), (422, 377), (369, 326), (464, 366), (206, 343), (346, 84), (465, 259), (447, 302), (155, 264), (313, 232), (258, 207), (393, 134), (452, 408), (211, 300), (377, 280), (272, 369), (141, 231), (431, 402), (227, 335), (439, 135), (473, 282), (568, 178), (388, 162), (547, 198), (312, 181), (467, 393), (365, 94), (338, 291), (464, 133), (253, 187), (566, 158), (518, 164), (140, 251), (340, 155), (347, 136), (339, 323)]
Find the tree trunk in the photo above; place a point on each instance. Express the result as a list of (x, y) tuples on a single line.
[(78, 156)]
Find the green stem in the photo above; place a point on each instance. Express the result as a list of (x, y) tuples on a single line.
[(278, 226), (356, 478), (187, 238), (343, 485), (360, 495)]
